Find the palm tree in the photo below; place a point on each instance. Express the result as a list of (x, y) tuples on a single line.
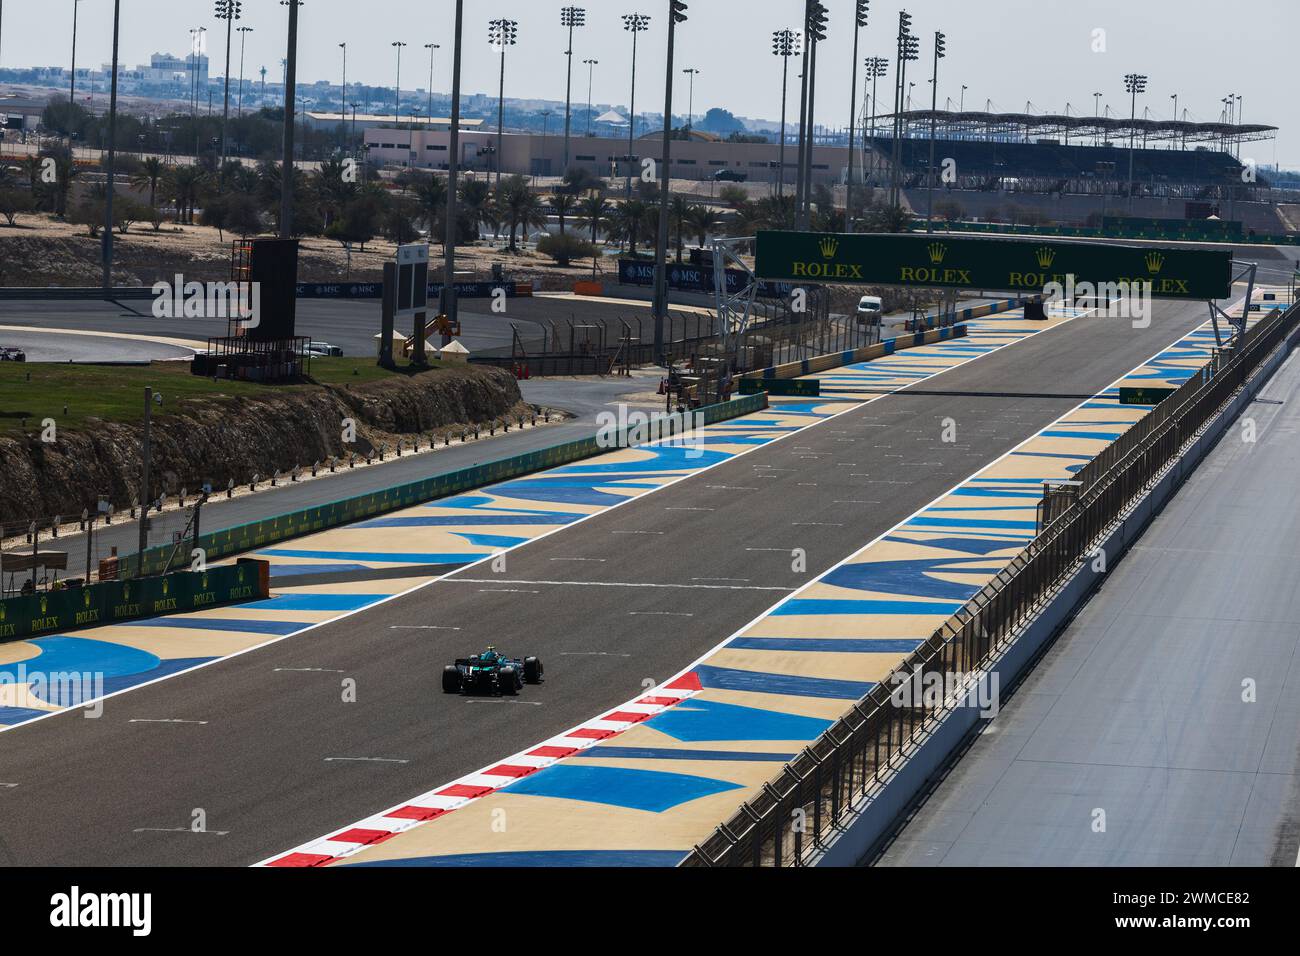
[(184, 184), (150, 172), (702, 220), (594, 213), (334, 189), (519, 206), (563, 204), (678, 210), (476, 199), (432, 197), (776, 212), (629, 221)]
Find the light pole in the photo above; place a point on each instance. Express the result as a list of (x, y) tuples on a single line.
[(447, 297), (227, 10), (676, 15), (814, 32), (1096, 115), (112, 157), (502, 35), (690, 102), (432, 48), (1134, 83), (397, 97), (634, 23), (149, 400), (290, 84), (72, 88), (591, 70), (243, 35), (877, 67), (785, 44), (200, 47), (962, 107), (343, 90), (859, 21), (939, 53), (1241, 108), (571, 17), (909, 49)]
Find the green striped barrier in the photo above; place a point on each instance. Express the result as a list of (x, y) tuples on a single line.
[(115, 602), (258, 534)]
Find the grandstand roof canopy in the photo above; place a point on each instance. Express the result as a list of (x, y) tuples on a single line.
[(979, 123)]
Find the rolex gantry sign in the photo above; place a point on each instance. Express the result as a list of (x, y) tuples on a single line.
[(995, 264)]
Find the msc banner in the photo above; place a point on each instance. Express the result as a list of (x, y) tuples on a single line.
[(375, 290), (689, 278), (1024, 265)]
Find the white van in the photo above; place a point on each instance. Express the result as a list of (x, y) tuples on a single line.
[(870, 310)]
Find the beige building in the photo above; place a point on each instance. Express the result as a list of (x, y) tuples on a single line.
[(701, 157)]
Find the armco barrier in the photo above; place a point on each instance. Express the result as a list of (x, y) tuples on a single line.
[(836, 359), (112, 602), (804, 810), (259, 534)]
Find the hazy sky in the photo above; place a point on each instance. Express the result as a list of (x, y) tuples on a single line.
[(1009, 51)]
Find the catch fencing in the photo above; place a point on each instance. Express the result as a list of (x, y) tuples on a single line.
[(792, 816)]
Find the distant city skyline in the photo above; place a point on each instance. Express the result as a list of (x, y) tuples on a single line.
[(1045, 54)]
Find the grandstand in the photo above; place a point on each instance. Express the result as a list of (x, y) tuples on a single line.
[(1070, 169)]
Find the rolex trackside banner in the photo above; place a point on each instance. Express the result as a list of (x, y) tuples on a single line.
[(1020, 265)]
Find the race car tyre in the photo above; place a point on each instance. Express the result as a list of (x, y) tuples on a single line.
[(450, 679), (532, 670), (508, 681)]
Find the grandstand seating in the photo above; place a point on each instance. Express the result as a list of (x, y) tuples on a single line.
[(1061, 163)]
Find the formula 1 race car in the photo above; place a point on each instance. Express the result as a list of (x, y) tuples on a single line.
[(490, 673), (10, 353)]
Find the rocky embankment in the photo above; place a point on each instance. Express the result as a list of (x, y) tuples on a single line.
[(225, 438)]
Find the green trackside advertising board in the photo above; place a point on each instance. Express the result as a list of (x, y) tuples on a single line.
[(1144, 395), (809, 387), (113, 602), (1023, 265)]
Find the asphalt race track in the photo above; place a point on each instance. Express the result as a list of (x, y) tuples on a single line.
[(350, 324), (111, 790)]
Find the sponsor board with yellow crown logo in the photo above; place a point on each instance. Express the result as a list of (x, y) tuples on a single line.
[(111, 602), (994, 264)]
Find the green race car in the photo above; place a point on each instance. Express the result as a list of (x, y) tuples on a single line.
[(490, 673)]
